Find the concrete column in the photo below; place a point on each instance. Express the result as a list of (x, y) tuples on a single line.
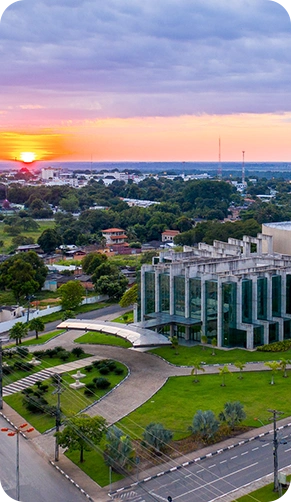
[(269, 296), (260, 246), (219, 314), (283, 293), (157, 291), (250, 337), (255, 298), (187, 332)]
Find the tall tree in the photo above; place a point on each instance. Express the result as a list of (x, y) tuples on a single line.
[(18, 331), (71, 294), (82, 433), (118, 450), (274, 367), (49, 240), (36, 325), (223, 371), (197, 366), (129, 297)]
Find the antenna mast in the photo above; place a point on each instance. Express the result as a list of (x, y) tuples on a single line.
[(243, 168)]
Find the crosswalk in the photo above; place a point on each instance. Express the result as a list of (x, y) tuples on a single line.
[(26, 382)]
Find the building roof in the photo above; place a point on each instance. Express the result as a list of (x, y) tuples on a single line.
[(116, 237), (110, 230), (280, 225), (170, 232)]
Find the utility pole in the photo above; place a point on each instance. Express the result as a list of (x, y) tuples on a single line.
[(275, 415), (58, 391)]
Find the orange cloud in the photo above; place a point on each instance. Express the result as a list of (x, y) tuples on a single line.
[(45, 145)]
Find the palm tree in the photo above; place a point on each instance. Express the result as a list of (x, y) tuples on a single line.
[(36, 325), (240, 366), (196, 367), (204, 340), (213, 343), (224, 371), (18, 331), (283, 366), (175, 343), (274, 366)]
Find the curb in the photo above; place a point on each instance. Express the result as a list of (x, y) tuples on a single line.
[(12, 424), (195, 460), (71, 480)]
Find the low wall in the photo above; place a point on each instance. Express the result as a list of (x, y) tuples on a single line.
[(7, 325)]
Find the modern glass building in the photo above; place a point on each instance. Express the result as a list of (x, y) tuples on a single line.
[(232, 291)]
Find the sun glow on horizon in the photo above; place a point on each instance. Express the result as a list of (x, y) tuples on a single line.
[(27, 157)]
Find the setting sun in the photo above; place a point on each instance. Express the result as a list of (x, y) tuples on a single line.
[(27, 157)]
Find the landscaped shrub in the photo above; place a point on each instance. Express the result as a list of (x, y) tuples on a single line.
[(22, 351), (111, 365), (27, 391), (64, 355), (90, 389), (22, 366), (89, 368), (101, 383), (35, 404), (119, 371), (276, 346), (97, 364), (77, 351), (104, 370), (7, 370), (50, 353), (39, 354), (44, 387)]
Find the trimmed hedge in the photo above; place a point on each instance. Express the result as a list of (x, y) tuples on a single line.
[(282, 346)]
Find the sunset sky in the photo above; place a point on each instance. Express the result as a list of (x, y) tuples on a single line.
[(145, 80)]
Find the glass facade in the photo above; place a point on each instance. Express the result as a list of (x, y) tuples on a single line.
[(288, 294), (247, 301), (229, 331), (258, 336), (149, 292), (262, 289), (179, 295), (287, 329), (195, 298), (273, 332), (276, 295), (164, 284), (211, 307)]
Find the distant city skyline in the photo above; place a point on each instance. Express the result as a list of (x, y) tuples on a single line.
[(145, 81)]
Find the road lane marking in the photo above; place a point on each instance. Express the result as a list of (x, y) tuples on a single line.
[(254, 449), (215, 481), (245, 453), (266, 444), (232, 458), (223, 461)]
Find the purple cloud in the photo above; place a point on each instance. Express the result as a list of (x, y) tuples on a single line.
[(89, 59)]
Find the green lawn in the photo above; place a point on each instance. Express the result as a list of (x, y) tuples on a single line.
[(72, 401), (103, 339), (121, 319), (43, 338), (94, 465), (177, 402), (187, 355), (264, 494), (83, 308)]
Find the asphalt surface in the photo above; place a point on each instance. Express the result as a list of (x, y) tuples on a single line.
[(39, 481), (216, 477)]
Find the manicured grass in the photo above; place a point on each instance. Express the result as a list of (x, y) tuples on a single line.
[(72, 401), (43, 338), (94, 465), (122, 320), (187, 355), (178, 401), (103, 339), (83, 308), (264, 494)]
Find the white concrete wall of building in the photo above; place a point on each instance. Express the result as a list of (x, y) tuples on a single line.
[(281, 233)]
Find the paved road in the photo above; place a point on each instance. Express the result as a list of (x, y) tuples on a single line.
[(217, 476), (38, 480)]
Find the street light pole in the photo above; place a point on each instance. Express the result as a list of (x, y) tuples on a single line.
[(1, 376), (58, 391), (12, 432), (276, 414)]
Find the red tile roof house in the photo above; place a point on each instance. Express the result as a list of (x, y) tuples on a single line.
[(168, 235), (114, 236)]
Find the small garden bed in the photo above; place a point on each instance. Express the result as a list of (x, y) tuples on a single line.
[(96, 337), (72, 400)]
